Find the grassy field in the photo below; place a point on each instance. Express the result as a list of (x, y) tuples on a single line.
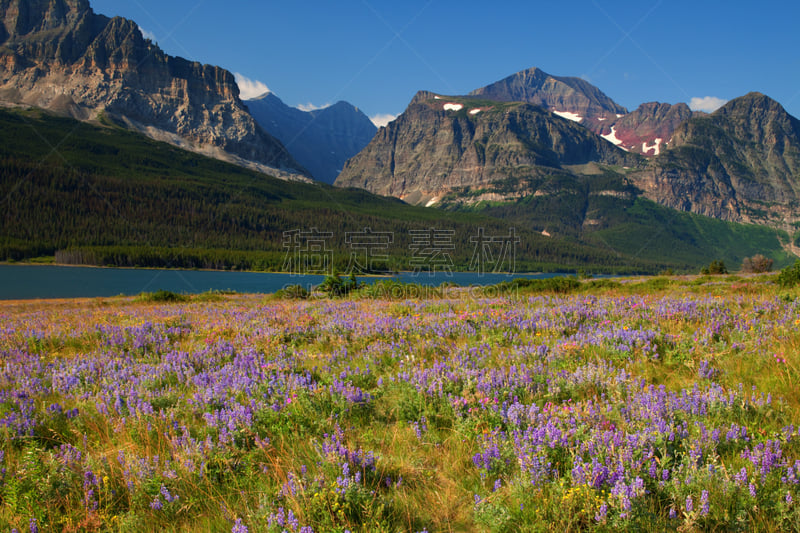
[(654, 404)]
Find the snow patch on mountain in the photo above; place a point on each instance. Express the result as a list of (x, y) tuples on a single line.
[(453, 107), (612, 137), (657, 146), (569, 116)]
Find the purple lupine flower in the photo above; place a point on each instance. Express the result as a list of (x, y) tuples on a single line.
[(741, 477), (89, 479), (167, 495), (239, 527), (704, 505), (278, 518), (689, 504), (292, 521), (602, 512)]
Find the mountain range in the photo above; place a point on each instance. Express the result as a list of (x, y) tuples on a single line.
[(552, 155), (512, 139)]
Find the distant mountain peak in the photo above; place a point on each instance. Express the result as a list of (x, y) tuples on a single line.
[(750, 103), (320, 139), (264, 96), (560, 93), (445, 145), (61, 56), (741, 162)]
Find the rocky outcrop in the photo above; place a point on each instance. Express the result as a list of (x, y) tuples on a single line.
[(648, 129), (740, 163), (443, 144), (321, 140), (61, 56), (645, 130), (555, 93)]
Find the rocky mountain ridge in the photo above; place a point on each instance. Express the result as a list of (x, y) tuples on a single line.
[(487, 149), (61, 56), (322, 139), (646, 130), (740, 163)]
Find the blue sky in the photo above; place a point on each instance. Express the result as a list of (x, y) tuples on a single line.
[(377, 54)]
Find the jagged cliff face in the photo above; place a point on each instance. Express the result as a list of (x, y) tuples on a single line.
[(61, 56), (321, 140), (488, 150), (555, 93), (740, 163), (647, 130)]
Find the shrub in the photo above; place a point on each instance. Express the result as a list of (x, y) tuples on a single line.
[(334, 286), (162, 296), (757, 264), (790, 276), (293, 292), (715, 267)]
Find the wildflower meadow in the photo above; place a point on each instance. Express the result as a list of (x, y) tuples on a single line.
[(659, 404)]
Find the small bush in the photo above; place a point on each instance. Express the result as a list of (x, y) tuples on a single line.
[(757, 264), (715, 267), (790, 276), (334, 286), (162, 296), (293, 292)]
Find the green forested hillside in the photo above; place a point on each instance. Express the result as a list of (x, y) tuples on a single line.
[(97, 194), (114, 197), (605, 211)]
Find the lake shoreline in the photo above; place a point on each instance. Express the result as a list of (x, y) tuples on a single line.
[(37, 281), (231, 271)]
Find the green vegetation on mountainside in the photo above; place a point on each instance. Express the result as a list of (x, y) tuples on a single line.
[(604, 211), (113, 197)]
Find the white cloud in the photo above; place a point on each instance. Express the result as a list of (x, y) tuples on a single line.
[(311, 107), (709, 104), (148, 34), (249, 88), (382, 119)]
